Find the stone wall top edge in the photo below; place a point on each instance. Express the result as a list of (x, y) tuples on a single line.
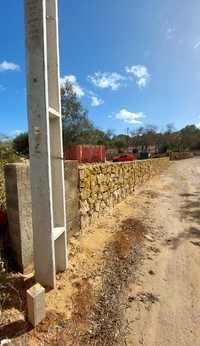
[(83, 166), (87, 165), (17, 164), (71, 161)]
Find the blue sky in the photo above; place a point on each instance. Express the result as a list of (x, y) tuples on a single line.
[(132, 62)]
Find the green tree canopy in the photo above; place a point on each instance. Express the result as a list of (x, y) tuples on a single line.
[(77, 128), (21, 145), (120, 141)]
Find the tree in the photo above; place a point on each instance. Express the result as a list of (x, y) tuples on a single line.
[(77, 128), (190, 137), (21, 144), (170, 128), (150, 136), (121, 141), (70, 105), (144, 137)]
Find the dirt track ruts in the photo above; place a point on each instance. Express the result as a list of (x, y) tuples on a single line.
[(171, 272)]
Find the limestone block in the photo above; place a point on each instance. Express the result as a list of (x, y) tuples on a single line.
[(100, 179), (102, 205), (103, 188), (84, 194), (97, 206), (94, 217), (93, 182), (84, 207), (91, 200), (85, 221), (82, 173), (99, 196)]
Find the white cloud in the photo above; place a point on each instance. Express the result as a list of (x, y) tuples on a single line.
[(96, 101), (105, 80), (140, 72), (76, 87), (142, 82), (197, 45), (130, 117), (15, 133), (9, 66)]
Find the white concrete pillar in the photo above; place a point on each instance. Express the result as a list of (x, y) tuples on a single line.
[(45, 140)]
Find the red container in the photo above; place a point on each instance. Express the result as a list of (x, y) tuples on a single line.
[(86, 153)]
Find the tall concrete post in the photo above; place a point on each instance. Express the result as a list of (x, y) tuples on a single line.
[(45, 140)]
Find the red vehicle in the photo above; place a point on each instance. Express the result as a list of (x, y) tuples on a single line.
[(124, 157)]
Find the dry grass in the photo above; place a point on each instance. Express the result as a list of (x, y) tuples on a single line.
[(96, 295), (96, 311)]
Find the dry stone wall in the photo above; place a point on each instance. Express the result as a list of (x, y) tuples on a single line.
[(102, 186), (92, 190)]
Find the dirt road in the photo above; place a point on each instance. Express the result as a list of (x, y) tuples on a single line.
[(170, 272), (133, 279)]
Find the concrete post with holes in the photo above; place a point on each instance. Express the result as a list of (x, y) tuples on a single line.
[(45, 140)]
